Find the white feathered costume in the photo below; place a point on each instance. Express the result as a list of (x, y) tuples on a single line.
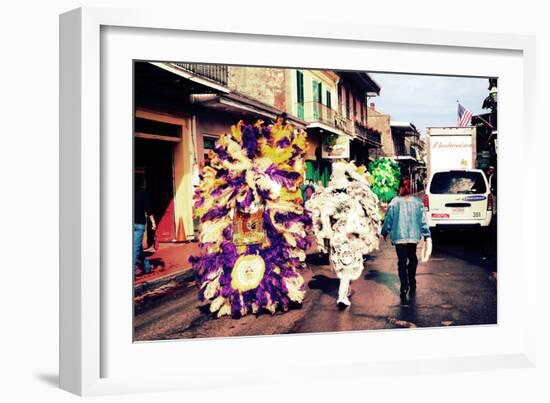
[(346, 214)]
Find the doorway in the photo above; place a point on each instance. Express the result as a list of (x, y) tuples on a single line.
[(154, 160)]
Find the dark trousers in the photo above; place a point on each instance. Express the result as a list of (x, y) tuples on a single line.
[(406, 265)]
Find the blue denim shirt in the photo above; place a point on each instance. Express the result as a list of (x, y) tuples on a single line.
[(405, 220)]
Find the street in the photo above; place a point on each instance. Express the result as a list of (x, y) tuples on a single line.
[(456, 287)]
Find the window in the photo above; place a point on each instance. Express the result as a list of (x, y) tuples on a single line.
[(317, 88), (208, 143), (347, 104), (329, 99), (339, 99), (458, 182)]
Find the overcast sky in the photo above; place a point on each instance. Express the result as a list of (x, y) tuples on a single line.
[(428, 100)]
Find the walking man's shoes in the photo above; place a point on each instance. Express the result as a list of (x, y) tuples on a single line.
[(343, 302)]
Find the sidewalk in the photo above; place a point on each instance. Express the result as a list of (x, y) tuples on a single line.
[(170, 266)]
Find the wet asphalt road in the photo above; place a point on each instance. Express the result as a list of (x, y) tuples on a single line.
[(456, 287)]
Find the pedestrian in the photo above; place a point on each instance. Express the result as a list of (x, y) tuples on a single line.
[(487, 238), (142, 212), (307, 190), (406, 223), (491, 178)]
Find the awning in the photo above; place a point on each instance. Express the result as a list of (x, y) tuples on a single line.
[(404, 128), (246, 106), (324, 128)]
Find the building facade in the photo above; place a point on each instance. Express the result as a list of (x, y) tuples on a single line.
[(408, 152), (354, 90), (380, 122), (181, 109), (312, 96)]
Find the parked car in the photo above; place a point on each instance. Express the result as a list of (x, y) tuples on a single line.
[(458, 199)]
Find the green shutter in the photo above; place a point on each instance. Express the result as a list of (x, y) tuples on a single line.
[(329, 100), (315, 90), (315, 86), (300, 86), (300, 93), (325, 170), (310, 170)]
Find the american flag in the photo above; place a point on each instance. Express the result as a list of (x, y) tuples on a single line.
[(464, 116)]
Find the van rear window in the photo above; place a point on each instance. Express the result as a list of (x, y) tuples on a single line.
[(458, 182)]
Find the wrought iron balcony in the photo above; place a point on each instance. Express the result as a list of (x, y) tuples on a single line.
[(317, 112), (213, 72), (361, 132), (374, 136), (367, 135)]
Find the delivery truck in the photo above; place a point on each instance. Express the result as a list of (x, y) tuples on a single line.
[(450, 148), (458, 195)]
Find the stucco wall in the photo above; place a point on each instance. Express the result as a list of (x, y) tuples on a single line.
[(381, 122), (267, 85)]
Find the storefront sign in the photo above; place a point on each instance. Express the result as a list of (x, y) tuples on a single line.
[(340, 149)]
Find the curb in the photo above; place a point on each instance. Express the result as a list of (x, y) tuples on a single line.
[(172, 280)]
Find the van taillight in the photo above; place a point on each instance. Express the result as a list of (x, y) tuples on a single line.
[(426, 201), (490, 202)]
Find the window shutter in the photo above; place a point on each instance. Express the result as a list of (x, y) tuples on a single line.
[(300, 86), (300, 93), (315, 87)]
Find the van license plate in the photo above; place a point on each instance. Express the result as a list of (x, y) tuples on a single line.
[(458, 210)]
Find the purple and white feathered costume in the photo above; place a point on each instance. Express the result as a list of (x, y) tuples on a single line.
[(253, 227)]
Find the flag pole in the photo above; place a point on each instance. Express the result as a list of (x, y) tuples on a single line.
[(488, 124), (479, 117)]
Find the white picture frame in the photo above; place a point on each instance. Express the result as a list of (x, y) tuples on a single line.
[(88, 311)]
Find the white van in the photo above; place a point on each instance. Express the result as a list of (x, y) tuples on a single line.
[(458, 198)]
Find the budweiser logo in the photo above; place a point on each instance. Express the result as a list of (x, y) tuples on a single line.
[(441, 144)]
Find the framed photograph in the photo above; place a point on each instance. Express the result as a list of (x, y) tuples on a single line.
[(289, 199)]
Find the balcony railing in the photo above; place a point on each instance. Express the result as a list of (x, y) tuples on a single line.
[(344, 124), (375, 137), (361, 132), (317, 112), (367, 135), (213, 72)]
